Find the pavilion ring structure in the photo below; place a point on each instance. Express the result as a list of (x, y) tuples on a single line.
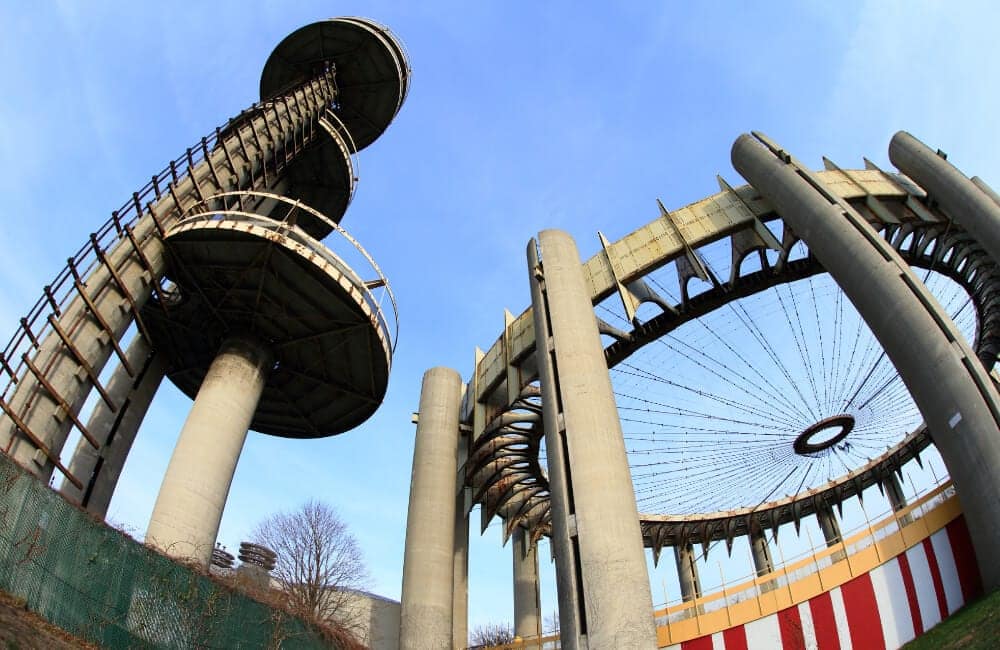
[(502, 407)]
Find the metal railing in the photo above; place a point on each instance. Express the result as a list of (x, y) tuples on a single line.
[(274, 152), (286, 227)]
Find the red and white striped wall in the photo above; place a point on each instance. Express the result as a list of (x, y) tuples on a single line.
[(880, 610)]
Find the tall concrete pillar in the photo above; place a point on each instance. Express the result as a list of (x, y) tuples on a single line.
[(527, 597), (897, 498), (761, 552), (603, 518), (565, 549), (99, 469), (894, 492), (427, 601), (460, 591), (967, 204), (948, 384), (829, 525), (185, 520), (687, 572), (831, 530)]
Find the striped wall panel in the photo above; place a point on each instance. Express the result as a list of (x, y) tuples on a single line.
[(880, 610)]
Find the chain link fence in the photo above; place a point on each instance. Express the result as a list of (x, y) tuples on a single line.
[(99, 584)]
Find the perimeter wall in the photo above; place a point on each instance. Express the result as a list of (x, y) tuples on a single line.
[(925, 570), (101, 585)]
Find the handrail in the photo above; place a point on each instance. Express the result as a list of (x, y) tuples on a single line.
[(57, 296), (321, 249)]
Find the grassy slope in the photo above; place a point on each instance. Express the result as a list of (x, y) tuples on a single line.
[(974, 626)]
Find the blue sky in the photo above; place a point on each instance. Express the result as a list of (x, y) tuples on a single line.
[(521, 116)]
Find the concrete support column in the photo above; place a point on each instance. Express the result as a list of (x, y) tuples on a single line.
[(687, 572), (427, 601), (954, 393), (967, 204), (831, 530), (460, 599), (527, 597), (897, 498), (761, 552), (829, 525), (894, 492), (564, 544), (188, 509), (99, 469), (603, 521)]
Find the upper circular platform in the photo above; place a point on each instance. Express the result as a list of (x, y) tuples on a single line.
[(372, 71), (243, 273)]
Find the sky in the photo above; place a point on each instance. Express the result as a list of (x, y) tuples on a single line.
[(521, 116)]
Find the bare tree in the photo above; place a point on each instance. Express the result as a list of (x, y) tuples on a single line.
[(319, 562), (491, 634)]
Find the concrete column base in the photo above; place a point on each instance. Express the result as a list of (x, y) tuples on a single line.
[(185, 520)]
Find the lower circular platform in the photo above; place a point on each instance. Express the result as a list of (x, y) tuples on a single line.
[(372, 72), (245, 274)]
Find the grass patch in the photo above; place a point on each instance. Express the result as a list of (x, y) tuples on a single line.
[(977, 625)]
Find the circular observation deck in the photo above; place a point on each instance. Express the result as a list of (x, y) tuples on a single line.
[(371, 70), (238, 272)]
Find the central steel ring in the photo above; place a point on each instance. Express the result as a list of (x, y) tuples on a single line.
[(802, 444)]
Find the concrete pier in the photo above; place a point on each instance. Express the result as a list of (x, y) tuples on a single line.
[(687, 572), (966, 203), (188, 509), (460, 590), (763, 563), (564, 544), (527, 597), (612, 565), (948, 384), (894, 492), (99, 469), (829, 525), (427, 601)]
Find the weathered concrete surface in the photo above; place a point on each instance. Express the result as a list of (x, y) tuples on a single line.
[(687, 572), (947, 382), (969, 205), (763, 563), (427, 601), (527, 598), (564, 547), (185, 519), (99, 469), (615, 584)]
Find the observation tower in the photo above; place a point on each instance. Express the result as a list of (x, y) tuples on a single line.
[(229, 274)]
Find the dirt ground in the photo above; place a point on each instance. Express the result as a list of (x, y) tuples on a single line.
[(24, 630)]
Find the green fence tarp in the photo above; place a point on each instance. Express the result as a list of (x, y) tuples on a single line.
[(102, 586)]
